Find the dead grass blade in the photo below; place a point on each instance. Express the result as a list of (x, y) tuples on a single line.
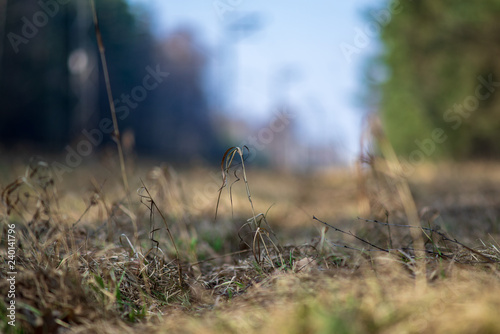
[(226, 164), (392, 166), (149, 202)]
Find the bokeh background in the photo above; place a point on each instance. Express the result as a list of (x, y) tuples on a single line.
[(291, 80)]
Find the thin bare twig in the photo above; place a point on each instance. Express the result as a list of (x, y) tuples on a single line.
[(352, 235), (116, 132), (443, 236)]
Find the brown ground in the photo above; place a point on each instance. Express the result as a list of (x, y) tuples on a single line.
[(77, 269)]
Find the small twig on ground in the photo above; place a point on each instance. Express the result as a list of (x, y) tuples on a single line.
[(352, 235), (443, 236)]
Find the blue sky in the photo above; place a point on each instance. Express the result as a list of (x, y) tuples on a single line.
[(295, 38)]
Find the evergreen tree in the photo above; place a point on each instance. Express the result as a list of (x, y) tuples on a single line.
[(439, 57)]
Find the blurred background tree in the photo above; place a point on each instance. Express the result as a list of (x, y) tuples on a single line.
[(434, 53), (180, 122), (52, 86)]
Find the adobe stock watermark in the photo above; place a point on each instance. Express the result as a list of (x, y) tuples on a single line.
[(454, 117), (94, 137), (362, 37), (255, 143), (31, 27), (224, 7)]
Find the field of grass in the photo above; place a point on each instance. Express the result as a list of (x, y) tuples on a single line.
[(91, 259)]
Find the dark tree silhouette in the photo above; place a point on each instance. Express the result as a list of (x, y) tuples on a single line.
[(180, 126), (52, 90)]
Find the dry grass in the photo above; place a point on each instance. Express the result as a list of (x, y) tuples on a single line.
[(82, 269), (93, 258)]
